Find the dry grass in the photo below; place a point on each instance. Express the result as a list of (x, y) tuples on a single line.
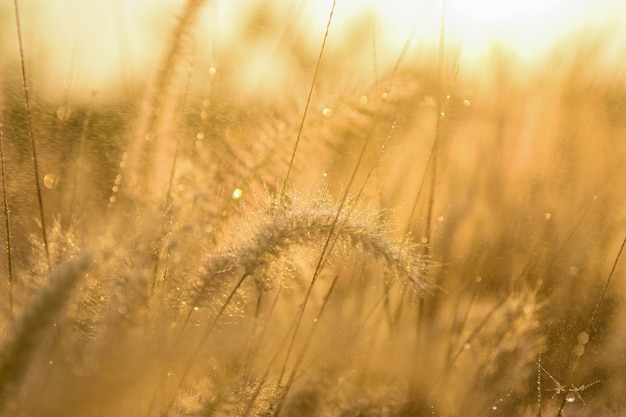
[(267, 226)]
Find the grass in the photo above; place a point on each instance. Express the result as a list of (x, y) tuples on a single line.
[(279, 219)]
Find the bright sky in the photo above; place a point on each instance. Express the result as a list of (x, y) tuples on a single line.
[(528, 26), (100, 34)]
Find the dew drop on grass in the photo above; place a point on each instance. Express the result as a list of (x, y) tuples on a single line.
[(50, 181), (583, 338), (579, 350), (467, 103), (237, 194), (64, 113), (212, 70), (548, 215), (200, 136), (570, 397), (327, 112)]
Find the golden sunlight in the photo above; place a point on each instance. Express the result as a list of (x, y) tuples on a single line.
[(115, 41), (527, 28)]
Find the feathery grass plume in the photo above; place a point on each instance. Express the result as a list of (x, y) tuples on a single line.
[(16, 351), (279, 227), (152, 145)]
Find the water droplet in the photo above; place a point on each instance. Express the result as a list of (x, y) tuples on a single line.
[(583, 338), (467, 346), (118, 179), (494, 408), (50, 181), (112, 199), (64, 113), (570, 397), (237, 193), (363, 99), (424, 240), (200, 136), (212, 70), (440, 218), (579, 350), (443, 114), (327, 112), (466, 103), (204, 115), (115, 188), (170, 373), (148, 136), (325, 174), (548, 215), (478, 279)]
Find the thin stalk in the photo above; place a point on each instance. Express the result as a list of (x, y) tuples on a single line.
[(30, 133), (592, 321), (77, 172), (307, 343), (435, 148), (308, 101), (203, 338), (7, 223)]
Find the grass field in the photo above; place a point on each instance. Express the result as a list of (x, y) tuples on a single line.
[(296, 209)]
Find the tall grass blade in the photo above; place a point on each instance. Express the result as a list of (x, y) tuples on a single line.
[(31, 136)]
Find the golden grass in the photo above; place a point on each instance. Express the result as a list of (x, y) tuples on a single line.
[(259, 226)]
